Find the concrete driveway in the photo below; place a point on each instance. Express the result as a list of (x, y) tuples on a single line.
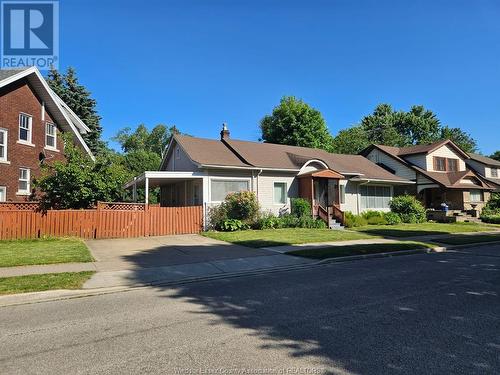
[(153, 260), (149, 252)]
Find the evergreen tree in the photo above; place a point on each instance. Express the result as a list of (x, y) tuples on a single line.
[(79, 99)]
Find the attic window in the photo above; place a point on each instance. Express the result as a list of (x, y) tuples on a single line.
[(452, 165), (494, 172), (439, 164), (177, 153)]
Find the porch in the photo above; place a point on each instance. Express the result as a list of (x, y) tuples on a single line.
[(323, 190)]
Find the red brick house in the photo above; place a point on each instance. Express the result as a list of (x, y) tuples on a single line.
[(32, 119)]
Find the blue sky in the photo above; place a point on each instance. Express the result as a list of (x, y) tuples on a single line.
[(197, 64)]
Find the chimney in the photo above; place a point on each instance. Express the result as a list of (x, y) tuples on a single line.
[(224, 134)]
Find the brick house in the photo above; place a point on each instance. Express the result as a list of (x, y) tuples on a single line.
[(32, 120)]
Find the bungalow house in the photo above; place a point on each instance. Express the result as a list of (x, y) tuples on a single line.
[(487, 168), (439, 171), (32, 120), (197, 171)]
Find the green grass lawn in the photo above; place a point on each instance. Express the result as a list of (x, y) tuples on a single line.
[(468, 239), (43, 251), (38, 283), (409, 230), (347, 250), (286, 236)]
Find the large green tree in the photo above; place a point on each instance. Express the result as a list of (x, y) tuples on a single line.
[(495, 155), (351, 140), (295, 123), (80, 182), (459, 137), (79, 99)]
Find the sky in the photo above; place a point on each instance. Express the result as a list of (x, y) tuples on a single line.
[(199, 63)]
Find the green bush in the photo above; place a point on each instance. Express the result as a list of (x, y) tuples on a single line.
[(232, 225), (301, 207), (352, 220), (216, 216), (243, 206), (492, 219), (392, 218), (269, 221), (374, 217), (408, 208), (492, 208)]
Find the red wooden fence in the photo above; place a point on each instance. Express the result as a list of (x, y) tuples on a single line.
[(107, 221)]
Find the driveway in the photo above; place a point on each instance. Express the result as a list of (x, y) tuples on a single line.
[(149, 252)]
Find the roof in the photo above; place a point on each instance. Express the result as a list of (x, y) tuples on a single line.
[(420, 149), (256, 155), (484, 159), (60, 112), (451, 180)]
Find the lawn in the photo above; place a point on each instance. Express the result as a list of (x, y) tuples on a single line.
[(286, 236), (38, 283), (409, 230), (468, 239), (348, 250), (43, 251)]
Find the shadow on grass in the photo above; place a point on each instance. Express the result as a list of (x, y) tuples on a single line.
[(401, 232)]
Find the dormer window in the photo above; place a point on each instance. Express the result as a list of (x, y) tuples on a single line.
[(439, 164), (452, 165), (494, 172)]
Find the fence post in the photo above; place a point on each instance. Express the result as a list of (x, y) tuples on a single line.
[(147, 218), (97, 222)]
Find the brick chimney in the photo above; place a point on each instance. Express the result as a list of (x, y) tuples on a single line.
[(224, 133)]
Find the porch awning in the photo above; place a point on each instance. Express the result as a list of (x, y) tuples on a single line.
[(325, 173), (159, 178)]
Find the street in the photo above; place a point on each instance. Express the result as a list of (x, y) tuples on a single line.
[(425, 314)]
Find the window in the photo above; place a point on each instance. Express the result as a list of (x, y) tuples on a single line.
[(476, 196), (452, 165), (494, 172), (375, 196), (50, 135), (439, 164), (3, 193), (219, 189), (177, 153), (25, 128), (3, 144), (24, 181), (280, 192), (342, 194)]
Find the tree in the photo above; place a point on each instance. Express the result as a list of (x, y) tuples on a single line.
[(380, 126), (459, 137), (79, 99), (80, 182), (495, 155), (295, 123), (351, 141)]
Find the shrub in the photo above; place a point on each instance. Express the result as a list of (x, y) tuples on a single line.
[(232, 225), (269, 221), (301, 207), (408, 208), (374, 217), (243, 206), (216, 216), (392, 218), (352, 220), (492, 219)]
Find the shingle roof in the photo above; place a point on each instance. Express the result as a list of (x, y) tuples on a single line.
[(484, 159), (418, 149), (6, 73), (268, 155), (452, 180)]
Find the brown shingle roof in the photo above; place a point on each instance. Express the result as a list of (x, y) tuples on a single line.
[(484, 159), (268, 155), (419, 149)]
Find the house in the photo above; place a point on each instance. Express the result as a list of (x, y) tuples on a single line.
[(32, 119), (439, 171), (487, 168), (198, 171)]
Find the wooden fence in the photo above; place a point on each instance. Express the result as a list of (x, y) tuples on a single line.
[(108, 220)]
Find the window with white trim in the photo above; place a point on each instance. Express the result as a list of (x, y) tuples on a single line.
[(279, 192), (219, 189), (24, 181), (494, 172), (25, 122), (375, 196), (3, 193), (50, 135), (3, 144), (476, 196)]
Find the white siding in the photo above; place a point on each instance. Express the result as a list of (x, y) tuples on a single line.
[(265, 191), (444, 152), (401, 170), (351, 203), (179, 161)]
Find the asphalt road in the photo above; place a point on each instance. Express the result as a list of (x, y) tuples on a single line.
[(418, 314)]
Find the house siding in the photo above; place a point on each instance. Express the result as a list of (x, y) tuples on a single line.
[(400, 169), (265, 191), (19, 98), (478, 167), (444, 152), (179, 161)]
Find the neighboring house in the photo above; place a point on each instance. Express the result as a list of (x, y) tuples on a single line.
[(32, 118), (197, 171), (439, 171), (488, 168)]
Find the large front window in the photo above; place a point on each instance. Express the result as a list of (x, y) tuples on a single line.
[(219, 189), (375, 196)]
